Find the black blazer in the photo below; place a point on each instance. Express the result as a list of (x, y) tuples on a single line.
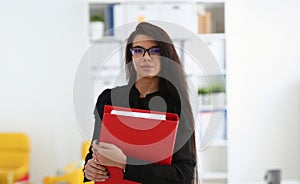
[(181, 170)]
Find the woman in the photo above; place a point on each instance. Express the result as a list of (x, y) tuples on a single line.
[(156, 81)]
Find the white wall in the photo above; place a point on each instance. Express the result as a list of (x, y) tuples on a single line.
[(41, 45), (263, 88), (42, 42)]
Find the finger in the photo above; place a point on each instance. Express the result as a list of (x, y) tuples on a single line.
[(89, 177), (92, 169), (104, 152), (96, 143), (95, 148), (95, 177), (96, 165), (100, 158), (96, 174), (95, 156), (101, 177), (103, 155), (100, 180), (102, 168), (106, 145)]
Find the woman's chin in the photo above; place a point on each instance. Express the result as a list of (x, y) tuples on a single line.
[(149, 76)]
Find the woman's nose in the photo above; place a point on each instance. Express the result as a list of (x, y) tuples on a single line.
[(147, 55)]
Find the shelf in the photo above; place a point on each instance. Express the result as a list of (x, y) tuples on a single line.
[(212, 36), (154, 1), (214, 162), (214, 176), (104, 1), (222, 73), (108, 39), (208, 1), (208, 108), (217, 144)]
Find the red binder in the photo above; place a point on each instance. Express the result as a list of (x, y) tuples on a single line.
[(142, 134)]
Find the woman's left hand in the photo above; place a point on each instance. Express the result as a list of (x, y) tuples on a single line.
[(109, 155)]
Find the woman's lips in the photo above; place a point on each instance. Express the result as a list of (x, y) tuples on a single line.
[(147, 67)]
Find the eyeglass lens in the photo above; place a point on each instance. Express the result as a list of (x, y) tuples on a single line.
[(140, 52)]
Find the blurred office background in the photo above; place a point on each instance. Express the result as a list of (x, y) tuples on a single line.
[(256, 44)]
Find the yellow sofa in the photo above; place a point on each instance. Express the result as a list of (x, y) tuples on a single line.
[(14, 157), (72, 173)]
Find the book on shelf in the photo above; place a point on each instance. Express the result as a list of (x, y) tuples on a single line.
[(109, 20), (204, 23)]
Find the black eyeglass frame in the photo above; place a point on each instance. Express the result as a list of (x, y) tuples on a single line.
[(145, 50)]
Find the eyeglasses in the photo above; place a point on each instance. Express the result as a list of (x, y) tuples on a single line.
[(139, 52)]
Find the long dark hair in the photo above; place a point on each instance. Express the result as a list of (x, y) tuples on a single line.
[(171, 68)]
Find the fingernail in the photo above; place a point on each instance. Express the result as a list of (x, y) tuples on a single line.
[(108, 174), (97, 142)]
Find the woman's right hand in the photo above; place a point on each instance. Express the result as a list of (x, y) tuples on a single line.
[(95, 172)]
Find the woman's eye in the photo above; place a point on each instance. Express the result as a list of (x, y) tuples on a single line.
[(155, 51), (138, 51)]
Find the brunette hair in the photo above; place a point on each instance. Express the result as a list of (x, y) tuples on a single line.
[(171, 67)]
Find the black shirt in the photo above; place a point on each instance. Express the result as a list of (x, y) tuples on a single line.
[(181, 170)]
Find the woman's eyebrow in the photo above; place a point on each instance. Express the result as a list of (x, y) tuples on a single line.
[(138, 46)]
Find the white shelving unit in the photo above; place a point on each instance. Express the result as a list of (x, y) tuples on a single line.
[(219, 143), (213, 159)]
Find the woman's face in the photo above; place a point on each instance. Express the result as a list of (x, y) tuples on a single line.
[(145, 65)]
